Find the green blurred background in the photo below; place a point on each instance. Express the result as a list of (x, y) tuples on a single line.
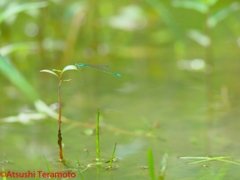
[(179, 90)]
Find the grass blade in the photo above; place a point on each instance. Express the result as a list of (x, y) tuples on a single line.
[(222, 172), (49, 170), (80, 173), (110, 163), (78, 163), (163, 167), (166, 17), (150, 164), (5, 50), (205, 159), (20, 8), (222, 14), (3, 177), (16, 78), (199, 6)]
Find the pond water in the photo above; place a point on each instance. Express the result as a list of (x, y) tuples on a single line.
[(166, 116)]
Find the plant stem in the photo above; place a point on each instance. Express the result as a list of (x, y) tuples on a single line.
[(209, 65), (110, 163), (78, 169), (97, 136), (59, 118)]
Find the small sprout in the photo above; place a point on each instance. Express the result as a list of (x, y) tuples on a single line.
[(70, 67)]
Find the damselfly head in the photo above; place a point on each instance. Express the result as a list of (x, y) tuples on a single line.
[(79, 64)]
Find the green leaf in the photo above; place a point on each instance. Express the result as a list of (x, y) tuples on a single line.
[(69, 67), (150, 163), (190, 4), (24, 118), (17, 79), (48, 71), (166, 17), (210, 2), (200, 38), (20, 8), (41, 107), (5, 50), (222, 14)]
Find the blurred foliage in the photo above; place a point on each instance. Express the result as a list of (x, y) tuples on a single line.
[(14, 7), (145, 41), (17, 79)]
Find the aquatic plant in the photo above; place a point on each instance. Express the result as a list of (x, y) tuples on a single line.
[(70, 67)]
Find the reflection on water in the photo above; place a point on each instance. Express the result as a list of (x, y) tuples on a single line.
[(173, 105), (128, 149)]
